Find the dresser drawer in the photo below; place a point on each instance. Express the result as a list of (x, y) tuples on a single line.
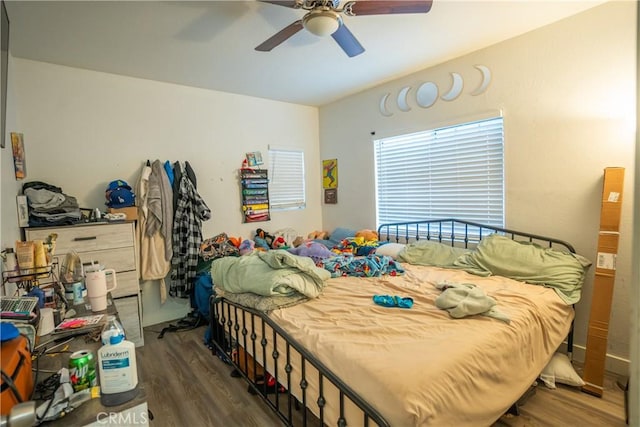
[(120, 259), (127, 284), (86, 238)]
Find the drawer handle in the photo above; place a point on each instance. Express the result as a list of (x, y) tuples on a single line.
[(78, 239)]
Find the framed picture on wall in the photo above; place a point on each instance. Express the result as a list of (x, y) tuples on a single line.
[(330, 173), (17, 145), (331, 196)]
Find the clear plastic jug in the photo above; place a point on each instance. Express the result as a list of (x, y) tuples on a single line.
[(112, 328)]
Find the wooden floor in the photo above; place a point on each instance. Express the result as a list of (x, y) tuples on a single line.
[(187, 386)]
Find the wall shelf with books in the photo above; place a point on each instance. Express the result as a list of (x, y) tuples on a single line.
[(255, 194)]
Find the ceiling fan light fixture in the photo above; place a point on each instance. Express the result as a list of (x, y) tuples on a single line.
[(321, 23)]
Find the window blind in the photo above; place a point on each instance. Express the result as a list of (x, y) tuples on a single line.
[(286, 179), (451, 172)]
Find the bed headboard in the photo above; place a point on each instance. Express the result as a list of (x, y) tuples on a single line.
[(459, 233)]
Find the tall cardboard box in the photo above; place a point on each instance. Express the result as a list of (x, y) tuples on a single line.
[(608, 238)]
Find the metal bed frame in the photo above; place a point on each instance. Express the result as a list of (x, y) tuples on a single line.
[(233, 326)]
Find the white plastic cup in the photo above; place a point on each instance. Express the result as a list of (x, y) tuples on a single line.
[(46, 324)]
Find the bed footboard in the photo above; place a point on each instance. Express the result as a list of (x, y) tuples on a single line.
[(301, 390)]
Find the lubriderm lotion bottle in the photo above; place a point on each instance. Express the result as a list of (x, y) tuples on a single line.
[(118, 371)]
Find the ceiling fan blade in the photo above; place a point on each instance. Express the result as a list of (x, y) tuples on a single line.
[(379, 7), (285, 3), (280, 36), (347, 41)]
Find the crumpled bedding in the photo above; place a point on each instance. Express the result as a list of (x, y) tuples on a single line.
[(371, 265), (356, 246), (498, 255), (418, 366), (272, 273), (466, 299)]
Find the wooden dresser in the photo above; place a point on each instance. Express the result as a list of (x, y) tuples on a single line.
[(114, 246)]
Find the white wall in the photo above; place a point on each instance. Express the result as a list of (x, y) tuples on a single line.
[(9, 187), (83, 129), (567, 92)]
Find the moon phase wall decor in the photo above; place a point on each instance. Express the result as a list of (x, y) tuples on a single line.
[(456, 88), (427, 93), (383, 106), (402, 99), (486, 79)]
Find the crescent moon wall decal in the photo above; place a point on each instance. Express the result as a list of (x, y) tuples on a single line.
[(486, 79), (427, 94), (402, 99), (456, 88), (383, 106)]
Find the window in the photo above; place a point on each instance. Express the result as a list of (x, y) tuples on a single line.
[(286, 179), (451, 172)]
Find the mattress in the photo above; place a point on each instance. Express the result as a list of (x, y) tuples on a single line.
[(419, 366)]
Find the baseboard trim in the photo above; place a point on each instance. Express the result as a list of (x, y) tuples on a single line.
[(615, 364)]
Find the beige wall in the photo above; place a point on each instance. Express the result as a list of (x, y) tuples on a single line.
[(567, 93), (83, 129), (634, 388)]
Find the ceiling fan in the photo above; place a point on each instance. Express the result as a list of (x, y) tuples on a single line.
[(324, 17)]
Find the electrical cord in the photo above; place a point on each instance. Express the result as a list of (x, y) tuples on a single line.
[(46, 391), (39, 420), (188, 323), (41, 352), (47, 387)]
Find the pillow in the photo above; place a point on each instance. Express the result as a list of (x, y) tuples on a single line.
[(429, 252), (528, 262), (560, 370), (390, 249), (340, 234)]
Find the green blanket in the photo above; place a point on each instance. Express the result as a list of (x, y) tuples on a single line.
[(272, 273)]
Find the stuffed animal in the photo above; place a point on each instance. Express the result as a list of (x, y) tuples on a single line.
[(263, 239), (246, 247), (261, 244), (322, 235), (314, 250), (279, 243), (367, 234), (298, 241)]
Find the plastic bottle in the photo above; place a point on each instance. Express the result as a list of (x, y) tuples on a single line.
[(118, 370), (9, 260), (112, 328)]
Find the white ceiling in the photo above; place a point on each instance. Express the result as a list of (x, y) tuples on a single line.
[(210, 44)]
